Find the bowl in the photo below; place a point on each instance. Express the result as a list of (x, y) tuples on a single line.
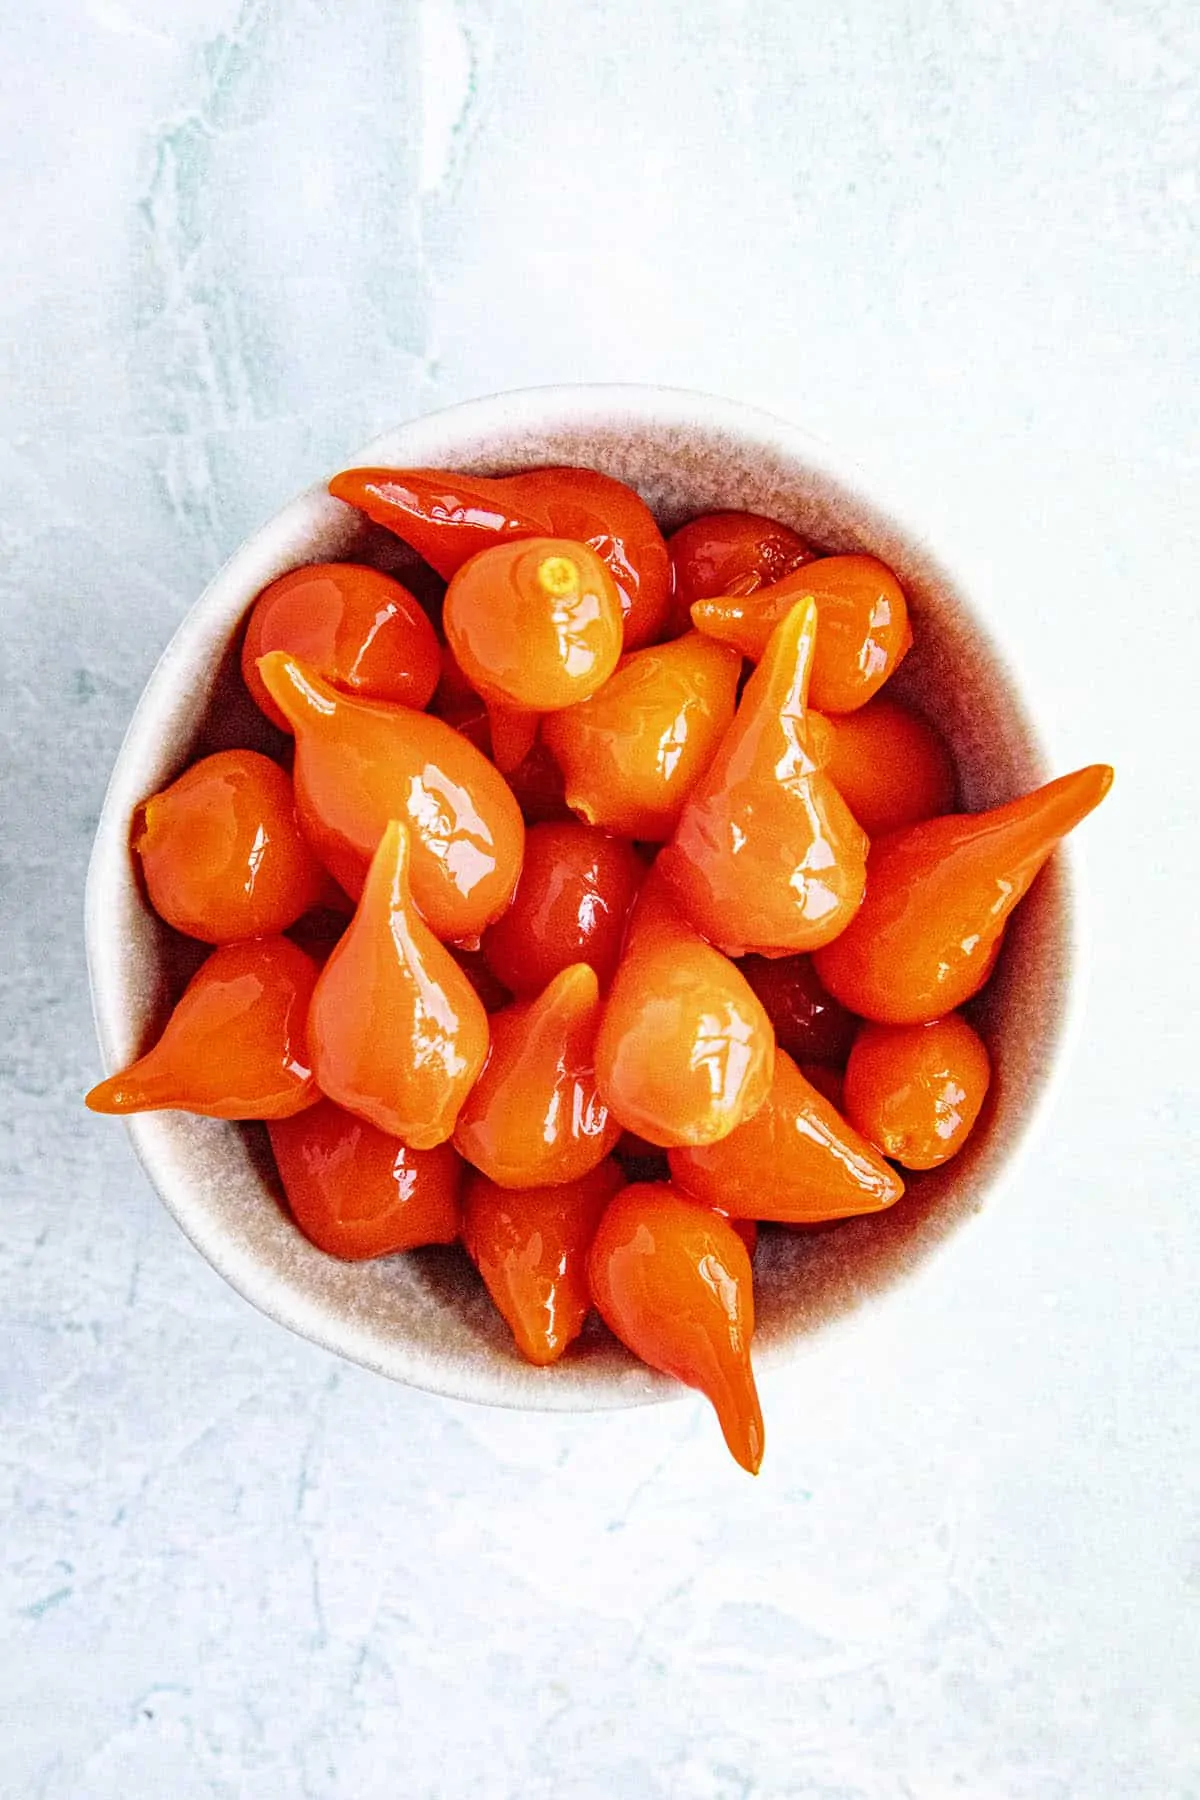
[(424, 1318)]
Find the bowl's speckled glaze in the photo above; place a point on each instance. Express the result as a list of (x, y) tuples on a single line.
[(424, 1318)]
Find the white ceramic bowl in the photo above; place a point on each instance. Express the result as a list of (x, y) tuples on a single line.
[(424, 1318)]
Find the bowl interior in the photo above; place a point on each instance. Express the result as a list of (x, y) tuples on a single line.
[(423, 1318)]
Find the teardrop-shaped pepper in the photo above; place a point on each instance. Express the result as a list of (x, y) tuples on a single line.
[(222, 853), (447, 518), (633, 753), (685, 1049), (766, 855), (796, 1161), (360, 629), (531, 1247), (534, 1117), (534, 624), (916, 1090), (397, 1032), (360, 763), (939, 895), (864, 625), (235, 1046), (673, 1281), (357, 1193), (728, 553)]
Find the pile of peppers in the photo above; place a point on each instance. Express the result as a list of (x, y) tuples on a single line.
[(590, 914)]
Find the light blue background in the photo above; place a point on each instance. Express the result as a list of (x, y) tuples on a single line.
[(961, 241)]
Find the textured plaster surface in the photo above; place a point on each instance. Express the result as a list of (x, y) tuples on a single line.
[(960, 241)]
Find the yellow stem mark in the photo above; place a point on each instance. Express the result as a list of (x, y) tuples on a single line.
[(558, 575)]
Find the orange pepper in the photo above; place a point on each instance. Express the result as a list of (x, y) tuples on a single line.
[(795, 1161), (864, 625), (534, 624), (684, 1050), (398, 1034), (357, 1193), (673, 1281), (447, 518), (766, 856), (221, 851), (534, 1117), (939, 895), (531, 1247), (916, 1090), (889, 765), (632, 754), (360, 763), (728, 553), (571, 905), (235, 1047), (360, 629)]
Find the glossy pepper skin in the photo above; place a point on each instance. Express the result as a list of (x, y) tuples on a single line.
[(222, 853), (685, 1049), (235, 1046), (673, 1281), (357, 1193), (890, 766), (864, 625), (809, 1023), (360, 763), (531, 1247), (915, 1091), (397, 1032), (728, 553), (796, 1161), (534, 1117), (448, 518), (360, 629), (766, 856), (572, 903), (534, 624), (632, 754), (939, 895)]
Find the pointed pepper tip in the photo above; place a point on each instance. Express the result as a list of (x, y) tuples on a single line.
[(114, 1097)]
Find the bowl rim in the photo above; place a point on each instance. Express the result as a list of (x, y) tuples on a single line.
[(554, 407)]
